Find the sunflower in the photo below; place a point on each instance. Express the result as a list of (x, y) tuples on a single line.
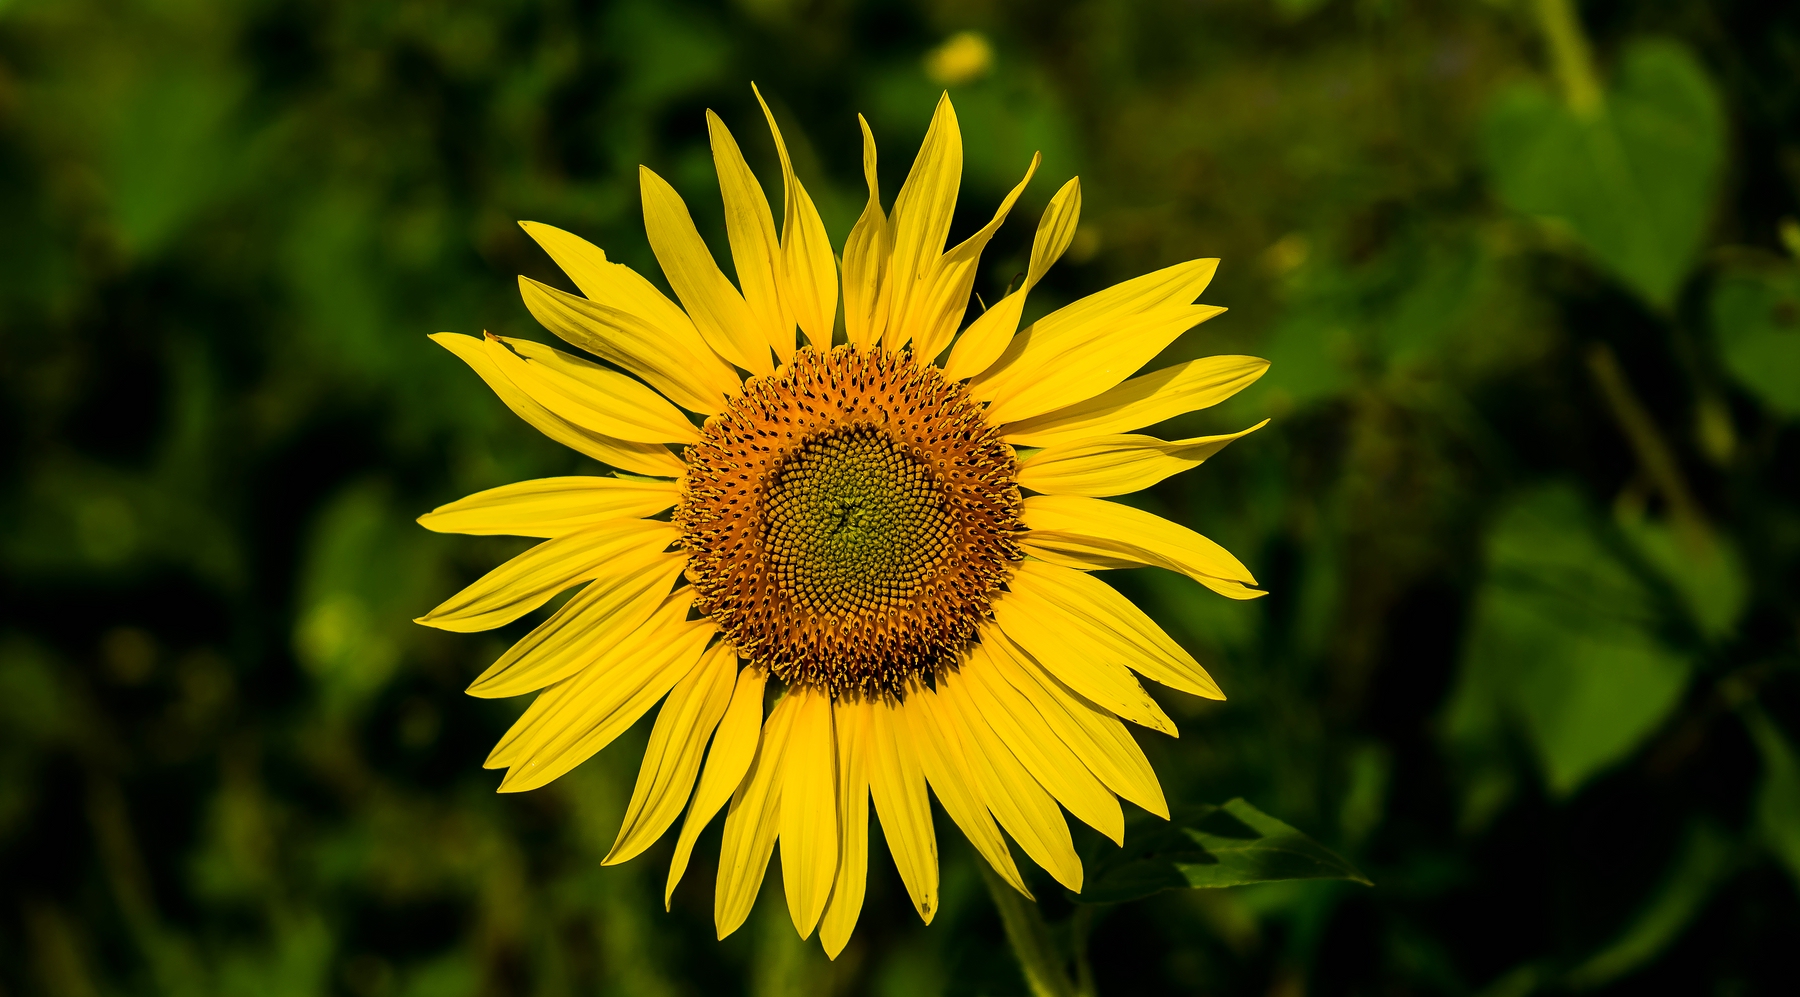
[(887, 532)]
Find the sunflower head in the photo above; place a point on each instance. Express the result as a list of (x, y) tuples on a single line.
[(854, 523)]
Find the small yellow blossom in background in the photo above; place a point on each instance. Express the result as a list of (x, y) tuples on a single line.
[(963, 58)]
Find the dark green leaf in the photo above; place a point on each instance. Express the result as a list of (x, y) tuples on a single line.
[(1756, 317), (1231, 845)]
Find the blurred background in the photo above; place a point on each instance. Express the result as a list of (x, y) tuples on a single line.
[(1529, 509)]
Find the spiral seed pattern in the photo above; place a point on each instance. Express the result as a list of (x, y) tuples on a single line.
[(849, 518)]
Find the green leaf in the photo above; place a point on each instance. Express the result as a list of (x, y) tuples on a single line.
[(1567, 645), (1756, 318), (1778, 799), (1633, 182), (1210, 846), (1702, 864)]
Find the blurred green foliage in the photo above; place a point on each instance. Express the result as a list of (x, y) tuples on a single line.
[(1529, 510)]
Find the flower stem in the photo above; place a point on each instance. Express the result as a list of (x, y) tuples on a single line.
[(1030, 938), (1569, 53)]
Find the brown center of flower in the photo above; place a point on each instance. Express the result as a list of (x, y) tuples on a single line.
[(848, 519)]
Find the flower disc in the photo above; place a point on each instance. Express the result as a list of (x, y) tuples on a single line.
[(849, 518)]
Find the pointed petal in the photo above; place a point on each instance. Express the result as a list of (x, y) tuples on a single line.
[(897, 785), (852, 722), (718, 310), (531, 579), (1039, 625), (810, 272), (1102, 743), (1118, 465), (552, 507), (754, 248), (644, 458), (752, 824), (945, 758), (672, 758), (987, 337), (591, 396), (1112, 329), (921, 222), (809, 830), (733, 748), (946, 292), (1078, 525), (688, 372), (1022, 729), (1141, 401), (867, 255), (599, 616)]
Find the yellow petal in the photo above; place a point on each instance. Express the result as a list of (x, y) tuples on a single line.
[(851, 721), (531, 579), (672, 758), (752, 824), (945, 759), (688, 372), (605, 612), (1102, 743), (867, 255), (1081, 525), (754, 248), (922, 222), (1117, 465), (1038, 624), (1087, 330), (946, 291), (733, 748), (551, 507), (1009, 791), (603, 701), (1050, 761), (809, 829), (1141, 401), (987, 337), (897, 785), (718, 310), (591, 396), (810, 282), (1102, 625), (644, 458)]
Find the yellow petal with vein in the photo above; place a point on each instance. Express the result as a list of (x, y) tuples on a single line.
[(1093, 364), (851, 721), (1141, 401), (945, 759), (718, 310), (867, 254), (1037, 623), (987, 337), (1009, 791), (531, 579), (672, 758), (733, 748), (946, 290), (683, 368), (922, 222), (604, 700), (897, 785), (1102, 743), (580, 630), (1078, 525), (1050, 761), (1079, 330), (1118, 465), (810, 281), (551, 507), (644, 458), (752, 824), (589, 395), (1100, 624), (809, 829), (754, 248)]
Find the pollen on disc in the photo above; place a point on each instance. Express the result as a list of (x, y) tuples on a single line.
[(849, 518)]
